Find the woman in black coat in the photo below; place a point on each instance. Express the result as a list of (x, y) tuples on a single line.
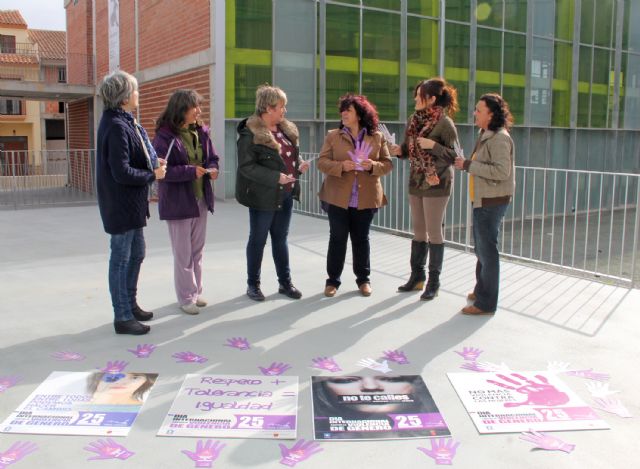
[(125, 166)]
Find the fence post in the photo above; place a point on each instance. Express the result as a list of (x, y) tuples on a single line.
[(636, 232)]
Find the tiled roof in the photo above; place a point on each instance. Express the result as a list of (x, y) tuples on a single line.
[(12, 17), (18, 59), (51, 44)]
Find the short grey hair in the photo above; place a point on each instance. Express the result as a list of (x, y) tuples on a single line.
[(116, 88), (268, 96)]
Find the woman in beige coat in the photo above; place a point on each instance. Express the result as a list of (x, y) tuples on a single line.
[(353, 157), (492, 182)]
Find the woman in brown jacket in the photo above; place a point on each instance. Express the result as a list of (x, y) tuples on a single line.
[(429, 144), (353, 157)]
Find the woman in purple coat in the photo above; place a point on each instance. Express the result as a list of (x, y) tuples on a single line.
[(186, 195)]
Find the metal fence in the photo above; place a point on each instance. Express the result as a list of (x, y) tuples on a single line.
[(578, 221), (48, 177)]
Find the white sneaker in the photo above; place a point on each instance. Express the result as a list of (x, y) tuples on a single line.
[(201, 302), (191, 308)]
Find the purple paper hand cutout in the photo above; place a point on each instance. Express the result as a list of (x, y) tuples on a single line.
[(238, 342), (442, 450), (143, 350), (114, 367), (68, 356), (325, 363), (108, 449), (470, 353), (298, 452), (538, 393), (206, 452), (588, 374), (16, 452), (613, 406), (546, 441), (189, 357), (397, 356), (8, 381), (275, 369), (361, 152)]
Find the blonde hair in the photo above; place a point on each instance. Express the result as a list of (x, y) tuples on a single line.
[(268, 96)]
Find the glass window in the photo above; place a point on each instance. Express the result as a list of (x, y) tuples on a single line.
[(515, 96), (343, 54), (630, 97), (586, 21), (248, 53), (490, 13), (564, 19), (246, 80), (584, 86), (456, 64), (604, 26), (562, 70), (424, 7), (422, 53), (253, 24), (540, 97), (515, 15), (294, 61), (631, 35), (381, 60), (542, 15), (489, 58), (601, 88), (515, 49), (459, 10), (386, 4)]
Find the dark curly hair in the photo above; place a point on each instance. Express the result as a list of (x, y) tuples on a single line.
[(446, 95), (179, 103), (499, 109), (365, 110)]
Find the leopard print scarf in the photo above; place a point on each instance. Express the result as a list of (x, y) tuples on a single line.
[(422, 163)]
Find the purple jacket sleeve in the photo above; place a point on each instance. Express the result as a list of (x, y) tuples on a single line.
[(175, 172)]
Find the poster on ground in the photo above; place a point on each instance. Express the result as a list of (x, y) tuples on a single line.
[(82, 403), (519, 401), (374, 407), (242, 406)]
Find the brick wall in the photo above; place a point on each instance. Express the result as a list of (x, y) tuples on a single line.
[(171, 29), (127, 36), (155, 94), (102, 39), (79, 139), (79, 43)]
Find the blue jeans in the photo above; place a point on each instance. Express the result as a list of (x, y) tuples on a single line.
[(342, 224), (261, 224), (127, 254), (486, 228)]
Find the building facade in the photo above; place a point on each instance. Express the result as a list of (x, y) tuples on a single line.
[(570, 69), (34, 56)]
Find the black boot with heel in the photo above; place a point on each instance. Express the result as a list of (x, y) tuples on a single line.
[(418, 260), (436, 255)]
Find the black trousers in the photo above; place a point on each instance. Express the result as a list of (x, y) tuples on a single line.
[(342, 224)]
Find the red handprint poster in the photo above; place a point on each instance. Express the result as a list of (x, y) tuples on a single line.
[(517, 401)]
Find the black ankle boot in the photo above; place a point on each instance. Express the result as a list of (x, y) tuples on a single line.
[(140, 314), (433, 285), (131, 326), (417, 261), (254, 292), (436, 256), (289, 290)]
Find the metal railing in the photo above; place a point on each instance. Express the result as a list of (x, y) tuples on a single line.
[(47, 177), (583, 222), (19, 48)]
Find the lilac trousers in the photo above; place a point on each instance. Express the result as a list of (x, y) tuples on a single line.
[(187, 242)]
